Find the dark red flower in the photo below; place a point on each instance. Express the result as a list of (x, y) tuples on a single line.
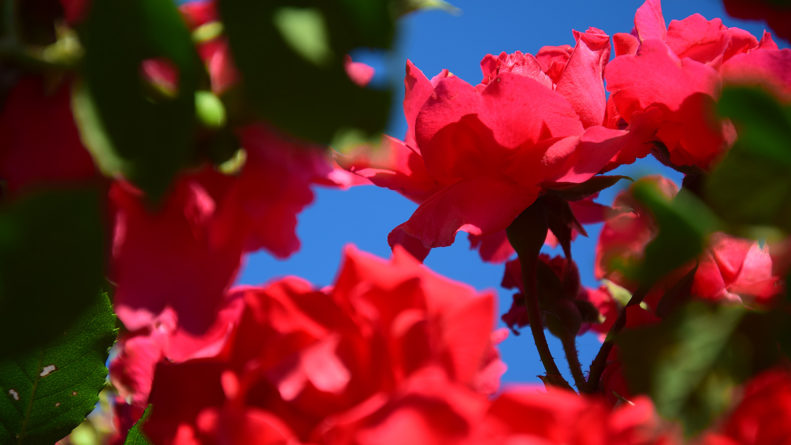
[(776, 13), (41, 145)]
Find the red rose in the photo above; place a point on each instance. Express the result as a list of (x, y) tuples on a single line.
[(388, 338), (664, 81), (475, 157), (761, 417)]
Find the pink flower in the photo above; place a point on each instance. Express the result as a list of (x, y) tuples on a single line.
[(388, 338), (475, 157), (161, 74), (729, 269), (215, 53), (664, 81), (360, 73)]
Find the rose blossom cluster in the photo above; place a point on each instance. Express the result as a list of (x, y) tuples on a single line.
[(391, 352), (541, 127), (474, 157)]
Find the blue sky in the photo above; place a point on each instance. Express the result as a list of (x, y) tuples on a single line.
[(435, 40)]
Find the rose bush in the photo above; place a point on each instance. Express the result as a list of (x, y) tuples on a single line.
[(691, 311)]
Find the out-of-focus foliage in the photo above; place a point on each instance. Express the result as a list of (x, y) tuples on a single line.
[(292, 60), (51, 265), (684, 225), (132, 130), (752, 184)]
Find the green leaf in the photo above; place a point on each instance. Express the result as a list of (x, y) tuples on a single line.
[(764, 125), (527, 234), (684, 225), (752, 184), (692, 363), (575, 192), (47, 391), (148, 138), (136, 436), (291, 58), (52, 264), (688, 364)]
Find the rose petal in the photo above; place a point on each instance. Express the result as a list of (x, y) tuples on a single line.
[(649, 22), (582, 82), (478, 205)]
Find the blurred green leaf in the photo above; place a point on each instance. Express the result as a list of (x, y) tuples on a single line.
[(752, 184), (691, 363), (575, 192), (149, 138), (136, 436), (687, 364), (764, 125), (52, 260), (684, 225), (292, 61), (304, 30), (48, 390)]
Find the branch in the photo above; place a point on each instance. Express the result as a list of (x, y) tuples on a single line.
[(572, 357)]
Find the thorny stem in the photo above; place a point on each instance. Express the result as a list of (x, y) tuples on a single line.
[(569, 342), (570, 349), (600, 362), (554, 376)]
